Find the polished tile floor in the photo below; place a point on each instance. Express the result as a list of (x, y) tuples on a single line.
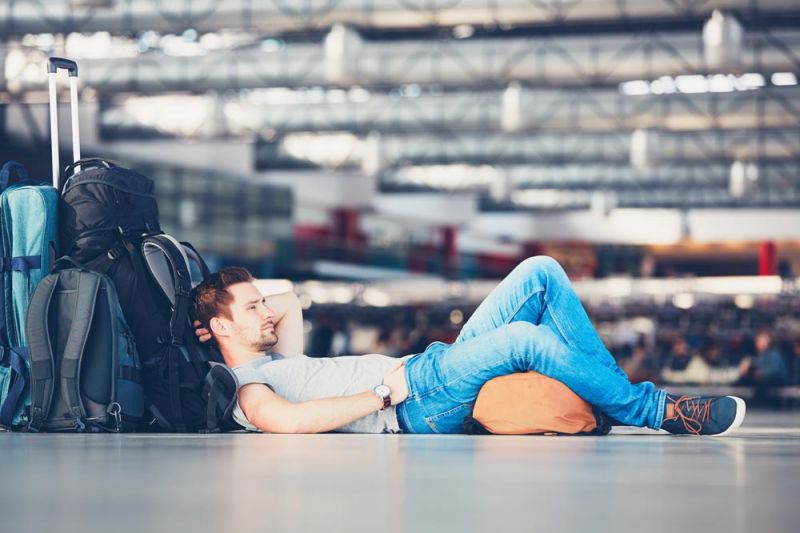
[(630, 481)]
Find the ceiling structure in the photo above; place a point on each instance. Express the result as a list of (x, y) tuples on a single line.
[(527, 105)]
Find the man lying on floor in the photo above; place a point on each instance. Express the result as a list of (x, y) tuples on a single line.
[(533, 320)]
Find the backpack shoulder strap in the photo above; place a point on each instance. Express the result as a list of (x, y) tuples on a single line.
[(195, 257), (7, 174), (219, 391), (40, 350), (16, 357), (170, 269), (88, 286)]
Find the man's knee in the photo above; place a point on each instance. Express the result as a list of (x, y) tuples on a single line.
[(543, 264)]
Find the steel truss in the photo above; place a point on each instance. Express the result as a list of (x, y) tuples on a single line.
[(698, 197), (774, 175), (19, 17), (538, 111), (720, 146), (475, 63)]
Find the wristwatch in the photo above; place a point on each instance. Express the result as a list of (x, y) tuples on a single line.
[(384, 393)]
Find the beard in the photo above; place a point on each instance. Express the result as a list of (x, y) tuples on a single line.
[(261, 340)]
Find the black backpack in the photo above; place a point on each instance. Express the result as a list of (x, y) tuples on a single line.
[(108, 221), (85, 372), (176, 267)]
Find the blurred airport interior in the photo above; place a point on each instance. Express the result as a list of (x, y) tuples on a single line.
[(394, 159)]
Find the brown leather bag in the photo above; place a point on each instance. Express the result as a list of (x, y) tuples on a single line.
[(529, 403)]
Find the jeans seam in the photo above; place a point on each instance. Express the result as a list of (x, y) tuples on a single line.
[(449, 383), (430, 421), (558, 326), (522, 304), (449, 411), (662, 405)]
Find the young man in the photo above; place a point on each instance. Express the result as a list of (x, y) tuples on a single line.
[(531, 321)]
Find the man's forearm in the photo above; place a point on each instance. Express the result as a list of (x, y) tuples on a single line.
[(318, 416), (288, 323)]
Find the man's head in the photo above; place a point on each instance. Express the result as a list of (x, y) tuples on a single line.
[(763, 340), (680, 348), (230, 306)]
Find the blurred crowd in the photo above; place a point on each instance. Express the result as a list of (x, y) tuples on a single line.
[(710, 344)]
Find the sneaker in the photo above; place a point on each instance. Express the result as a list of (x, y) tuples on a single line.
[(710, 415)]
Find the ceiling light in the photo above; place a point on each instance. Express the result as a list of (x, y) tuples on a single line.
[(456, 317), (463, 31), (375, 297), (720, 83), (635, 87), (744, 301), (683, 301), (783, 79), (692, 84)]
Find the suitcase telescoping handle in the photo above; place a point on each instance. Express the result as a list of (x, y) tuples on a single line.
[(53, 65)]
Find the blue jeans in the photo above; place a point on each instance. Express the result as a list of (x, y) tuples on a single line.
[(531, 321)]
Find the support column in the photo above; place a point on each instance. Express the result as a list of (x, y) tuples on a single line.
[(448, 251), (767, 259), (345, 226)]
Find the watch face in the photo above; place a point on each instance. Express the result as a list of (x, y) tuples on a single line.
[(383, 391)]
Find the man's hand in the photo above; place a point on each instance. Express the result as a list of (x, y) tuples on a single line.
[(203, 335), (396, 380), (746, 366)]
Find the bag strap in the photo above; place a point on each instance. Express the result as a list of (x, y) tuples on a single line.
[(84, 164), (88, 287), (219, 391), (40, 350), (16, 363), (6, 174), (89, 162), (65, 262), (195, 256), (4, 341), (23, 263), (181, 287)]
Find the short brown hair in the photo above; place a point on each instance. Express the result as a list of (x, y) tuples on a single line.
[(211, 297)]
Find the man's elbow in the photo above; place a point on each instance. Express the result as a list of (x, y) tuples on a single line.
[(278, 424)]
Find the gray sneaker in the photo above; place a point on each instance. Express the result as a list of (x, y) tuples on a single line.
[(705, 415)]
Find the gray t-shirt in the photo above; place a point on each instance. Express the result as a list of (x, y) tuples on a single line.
[(304, 378)]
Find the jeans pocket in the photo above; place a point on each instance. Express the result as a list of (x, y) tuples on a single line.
[(450, 421)]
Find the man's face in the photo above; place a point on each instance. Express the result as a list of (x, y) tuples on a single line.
[(763, 340), (251, 323)]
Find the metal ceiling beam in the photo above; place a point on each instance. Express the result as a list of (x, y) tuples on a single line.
[(501, 180), (665, 148), (535, 110), (275, 16), (599, 60), (698, 197)]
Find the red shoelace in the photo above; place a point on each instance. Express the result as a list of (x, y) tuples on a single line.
[(692, 412)]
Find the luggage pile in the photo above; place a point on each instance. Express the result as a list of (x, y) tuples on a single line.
[(100, 338)]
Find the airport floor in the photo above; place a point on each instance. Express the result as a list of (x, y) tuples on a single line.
[(629, 481)]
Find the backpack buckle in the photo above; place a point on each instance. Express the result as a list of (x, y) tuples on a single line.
[(116, 252), (35, 425), (115, 410)]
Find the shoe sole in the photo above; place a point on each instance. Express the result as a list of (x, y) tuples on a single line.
[(741, 408)]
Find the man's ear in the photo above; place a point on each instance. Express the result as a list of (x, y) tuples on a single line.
[(220, 327)]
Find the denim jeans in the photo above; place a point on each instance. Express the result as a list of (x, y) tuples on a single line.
[(531, 321)]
